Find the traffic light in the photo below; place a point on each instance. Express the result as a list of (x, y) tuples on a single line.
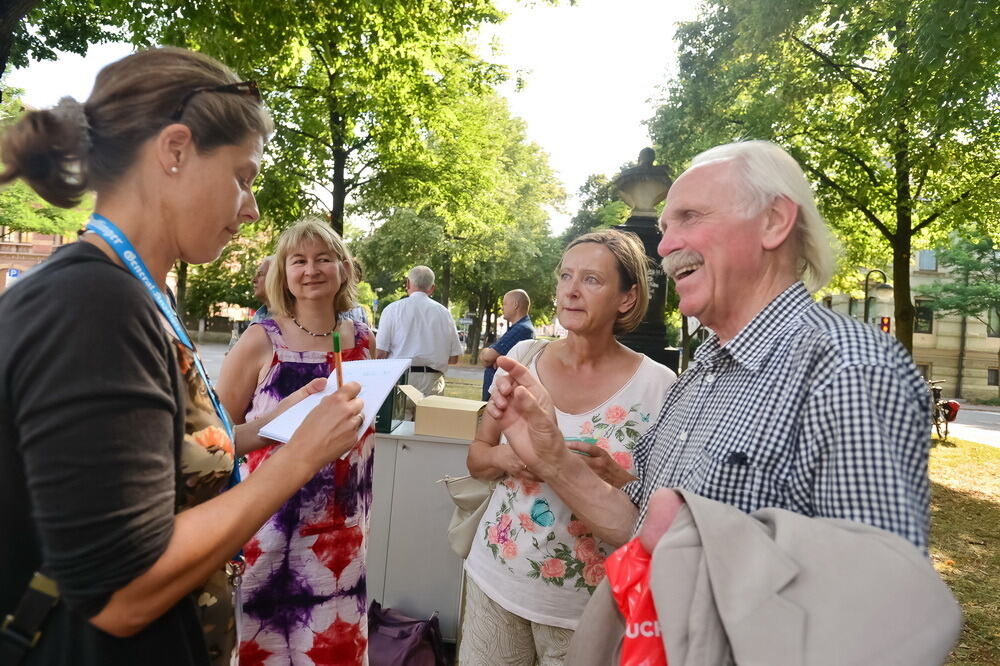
[(885, 324)]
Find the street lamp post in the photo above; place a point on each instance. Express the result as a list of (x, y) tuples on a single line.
[(642, 187), (867, 276)]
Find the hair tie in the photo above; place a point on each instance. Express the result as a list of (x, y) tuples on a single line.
[(71, 112)]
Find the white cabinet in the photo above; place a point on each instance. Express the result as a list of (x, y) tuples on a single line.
[(411, 567)]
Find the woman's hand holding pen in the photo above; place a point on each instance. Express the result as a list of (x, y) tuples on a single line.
[(602, 463), (331, 429)]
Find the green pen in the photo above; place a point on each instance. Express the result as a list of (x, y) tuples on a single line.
[(586, 440), (337, 361)]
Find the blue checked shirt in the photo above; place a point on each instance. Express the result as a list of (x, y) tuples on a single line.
[(805, 410)]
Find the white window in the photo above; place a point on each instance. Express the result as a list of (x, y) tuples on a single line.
[(927, 260)]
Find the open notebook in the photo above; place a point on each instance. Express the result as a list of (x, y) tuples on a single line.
[(376, 378)]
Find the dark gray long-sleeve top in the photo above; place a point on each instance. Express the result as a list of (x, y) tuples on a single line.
[(90, 427)]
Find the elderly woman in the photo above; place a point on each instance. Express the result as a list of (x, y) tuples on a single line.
[(304, 598), (533, 564), (114, 449)]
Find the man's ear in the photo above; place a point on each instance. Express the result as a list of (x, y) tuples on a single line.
[(779, 222), (173, 145)]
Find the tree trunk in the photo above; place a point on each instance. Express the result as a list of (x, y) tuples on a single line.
[(338, 134), (961, 357), (446, 281), (11, 15), (182, 274), (477, 330), (902, 242), (339, 191), (904, 310), (491, 322)]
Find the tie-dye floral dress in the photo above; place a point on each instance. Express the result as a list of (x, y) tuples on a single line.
[(304, 595)]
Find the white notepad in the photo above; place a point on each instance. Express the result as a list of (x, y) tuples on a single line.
[(376, 378)]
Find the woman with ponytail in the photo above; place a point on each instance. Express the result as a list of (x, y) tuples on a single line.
[(118, 543)]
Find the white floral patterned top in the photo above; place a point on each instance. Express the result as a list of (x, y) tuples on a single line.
[(531, 555)]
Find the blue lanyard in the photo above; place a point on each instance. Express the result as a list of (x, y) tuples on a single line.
[(113, 236)]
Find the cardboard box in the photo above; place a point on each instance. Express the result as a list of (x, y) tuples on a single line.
[(439, 416)]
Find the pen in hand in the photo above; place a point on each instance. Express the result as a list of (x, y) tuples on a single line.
[(337, 360)]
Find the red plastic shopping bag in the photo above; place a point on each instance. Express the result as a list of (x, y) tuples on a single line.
[(628, 574)]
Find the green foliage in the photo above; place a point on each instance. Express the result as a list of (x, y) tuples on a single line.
[(23, 210), (600, 207), (973, 289), (228, 278), (20, 208), (481, 221), (354, 85), (891, 108), (69, 25)]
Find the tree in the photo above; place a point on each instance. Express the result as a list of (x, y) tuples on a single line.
[(973, 289), (890, 107), (37, 30), (20, 208), (354, 85), (228, 279), (481, 221), (600, 207)]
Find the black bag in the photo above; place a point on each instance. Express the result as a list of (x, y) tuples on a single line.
[(397, 640)]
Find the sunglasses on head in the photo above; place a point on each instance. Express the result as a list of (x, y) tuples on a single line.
[(247, 88)]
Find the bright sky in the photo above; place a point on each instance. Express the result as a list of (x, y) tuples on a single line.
[(592, 72)]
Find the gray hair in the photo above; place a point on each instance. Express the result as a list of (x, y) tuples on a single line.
[(421, 278), (768, 172)]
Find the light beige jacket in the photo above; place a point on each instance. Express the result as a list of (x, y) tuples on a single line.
[(776, 588)]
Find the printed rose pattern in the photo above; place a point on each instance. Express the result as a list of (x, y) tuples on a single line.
[(564, 554), (617, 423)]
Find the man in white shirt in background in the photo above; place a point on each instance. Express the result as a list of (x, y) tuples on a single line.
[(421, 329)]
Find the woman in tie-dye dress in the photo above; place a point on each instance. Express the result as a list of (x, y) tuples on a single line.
[(304, 597)]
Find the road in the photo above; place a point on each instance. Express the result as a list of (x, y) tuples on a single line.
[(975, 423)]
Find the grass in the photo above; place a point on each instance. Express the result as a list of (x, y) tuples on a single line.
[(965, 541), (456, 387), (992, 402)]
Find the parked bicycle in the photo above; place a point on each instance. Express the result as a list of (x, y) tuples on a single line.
[(943, 411)]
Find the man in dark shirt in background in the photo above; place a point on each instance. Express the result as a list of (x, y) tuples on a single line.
[(515, 310)]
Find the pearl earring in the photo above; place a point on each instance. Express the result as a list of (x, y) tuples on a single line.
[(174, 169)]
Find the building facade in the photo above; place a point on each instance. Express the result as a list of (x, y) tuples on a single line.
[(21, 250), (961, 351)]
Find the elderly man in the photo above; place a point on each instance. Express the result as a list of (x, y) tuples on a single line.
[(787, 405), (420, 329), (260, 292), (515, 310)]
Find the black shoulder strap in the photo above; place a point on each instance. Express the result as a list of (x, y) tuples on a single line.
[(22, 629)]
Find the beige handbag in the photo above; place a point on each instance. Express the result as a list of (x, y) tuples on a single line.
[(471, 495)]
